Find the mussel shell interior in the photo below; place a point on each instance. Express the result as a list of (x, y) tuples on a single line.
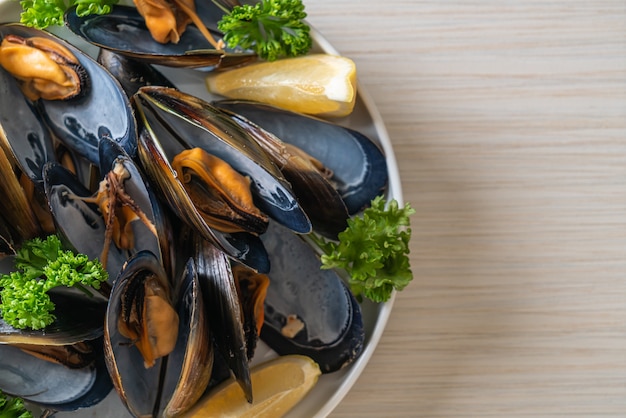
[(333, 333), (195, 123), (52, 385), (21, 129), (79, 223), (101, 109), (142, 388), (358, 178), (123, 31)]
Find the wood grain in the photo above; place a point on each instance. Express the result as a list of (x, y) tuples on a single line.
[(508, 120)]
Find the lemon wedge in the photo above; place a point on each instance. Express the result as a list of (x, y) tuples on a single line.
[(277, 386), (317, 84)]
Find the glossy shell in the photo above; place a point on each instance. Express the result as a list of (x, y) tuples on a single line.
[(51, 385), (310, 183), (300, 293), (123, 31), (176, 381), (195, 123), (101, 110), (358, 179)]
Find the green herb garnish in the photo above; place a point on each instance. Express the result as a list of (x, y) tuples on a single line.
[(272, 28), (373, 250), (43, 265), (43, 13), (13, 407)]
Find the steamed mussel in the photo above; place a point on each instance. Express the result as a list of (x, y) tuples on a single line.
[(124, 31), (97, 109), (163, 365), (44, 68)]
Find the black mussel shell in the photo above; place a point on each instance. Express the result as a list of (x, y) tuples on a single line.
[(51, 385), (359, 178), (300, 292), (101, 110), (131, 73), (123, 31)]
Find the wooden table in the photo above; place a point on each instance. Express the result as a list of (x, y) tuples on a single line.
[(508, 120)]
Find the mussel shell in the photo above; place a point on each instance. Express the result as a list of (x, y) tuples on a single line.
[(176, 381), (52, 385), (216, 278), (101, 109), (196, 123), (358, 178), (21, 129), (317, 196), (79, 223), (123, 31), (142, 194), (333, 333), (132, 74), (78, 318)]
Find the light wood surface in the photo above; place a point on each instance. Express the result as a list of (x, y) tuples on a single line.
[(508, 120)]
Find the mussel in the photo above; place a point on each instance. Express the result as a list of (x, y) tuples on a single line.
[(100, 107), (173, 122), (168, 383), (308, 177), (124, 31), (60, 367), (51, 385), (308, 310), (124, 211), (43, 67), (358, 179)]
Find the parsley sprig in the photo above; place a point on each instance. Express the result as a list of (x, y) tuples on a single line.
[(13, 407), (272, 28), (43, 13), (41, 266), (373, 250)]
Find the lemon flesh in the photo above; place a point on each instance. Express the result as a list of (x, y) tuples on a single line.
[(317, 84), (277, 386)]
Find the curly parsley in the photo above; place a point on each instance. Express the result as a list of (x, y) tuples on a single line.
[(373, 250), (43, 265), (13, 407), (272, 28)]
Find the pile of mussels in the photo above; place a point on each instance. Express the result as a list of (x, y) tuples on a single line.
[(198, 210)]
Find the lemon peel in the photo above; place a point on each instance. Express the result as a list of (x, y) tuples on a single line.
[(277, 386), (316, 84)]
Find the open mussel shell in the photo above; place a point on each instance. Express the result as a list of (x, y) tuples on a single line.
[(317, 196), (101, 109), (79, 223), (193, 122), (51, 385), (139, 191), (308, 310), (123, 31), (358, 179), (22, 132), (175, 382)]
